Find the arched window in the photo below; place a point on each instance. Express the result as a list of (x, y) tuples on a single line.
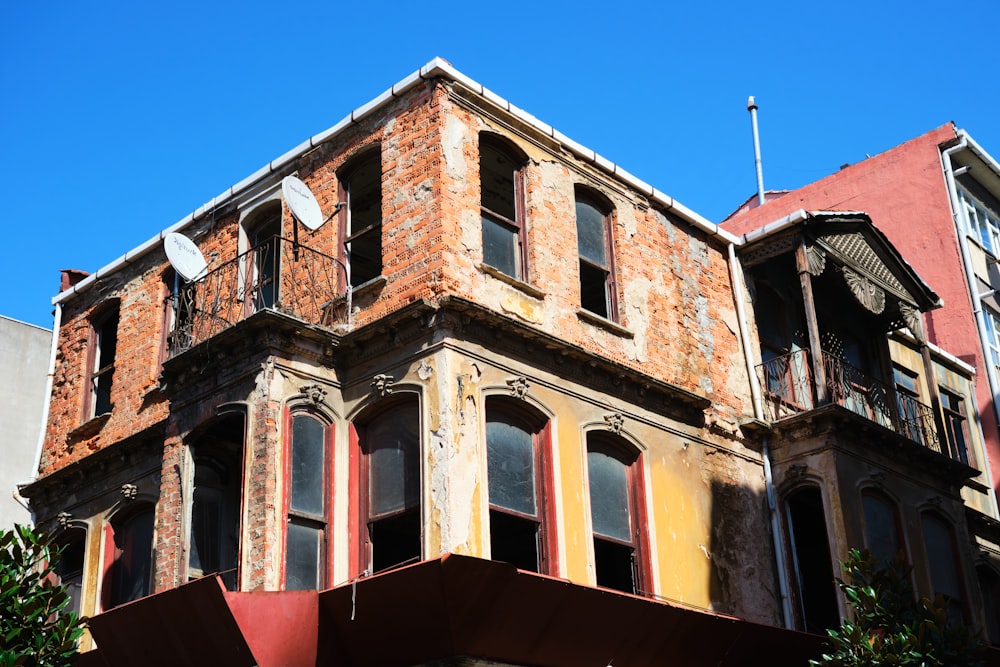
[(594, 242), (103, 348), (128, 556), (73, 544), (264, 263), (389, 443), (501, 178), (214, 543), (882, 532), (516, 442), (616, 511), (815, 589), (989, 586), (942, 563), (361, 221), (308, 504)]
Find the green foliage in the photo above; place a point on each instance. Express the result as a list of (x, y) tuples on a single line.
[(35, 628), (892, 627)]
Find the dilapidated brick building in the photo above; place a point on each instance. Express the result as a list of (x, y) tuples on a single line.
[(500, 346)]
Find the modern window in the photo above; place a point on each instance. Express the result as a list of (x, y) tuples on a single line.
[(390, 476), (614, 476), (956, 425), (812, 568), (982, 222), (361, 189), (128, 557), (516, 440), (882, 532), (104, 344), (308, 504), (992, 321), (264, 235), (593, 234), (942, 563), (501, 174)]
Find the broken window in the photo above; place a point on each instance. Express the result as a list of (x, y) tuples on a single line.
[(593, 233), (129, 556), (308, 505), (361, 189), (502, 202), (104, 344), (516, 493), (613, 473), (390, 444), (812, 568)]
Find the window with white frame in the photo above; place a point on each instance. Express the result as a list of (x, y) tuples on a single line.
[(981, 221), (993, 334)]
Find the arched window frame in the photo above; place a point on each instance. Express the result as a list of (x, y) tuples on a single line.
[(303, 519), (539, 426), (121, 531), (630, 457), (72, 566), (598, 285), (362, 247), (407, 521), (102, 358), (504, 232), (260, 278), (957, 599), (872, 532), (810, 609)]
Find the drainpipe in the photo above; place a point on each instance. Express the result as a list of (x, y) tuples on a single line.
[(739, 289), (977, 302), (57, 322)]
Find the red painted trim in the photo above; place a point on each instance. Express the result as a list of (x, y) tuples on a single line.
[(286, 435), (110, 553), (640, 515), (547, 503), (354, 507)]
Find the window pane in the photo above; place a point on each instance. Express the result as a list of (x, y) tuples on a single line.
[(511, 466), (941, 557), (500, 246), (591, 234), (394, 466), (496, 173), (514, 540), (302, 557), (881, 528), (133, 558), (307, 466), (593, 289), (609, 502)]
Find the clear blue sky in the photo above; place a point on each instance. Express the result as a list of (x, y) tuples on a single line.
[(117, 119)]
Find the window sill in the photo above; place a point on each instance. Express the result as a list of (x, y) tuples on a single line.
[(513, 282), (604, 323), (377, 282), (89, 427)]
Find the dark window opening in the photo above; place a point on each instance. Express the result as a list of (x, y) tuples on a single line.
[(989, 585), (264, 242), (812, 566), (128, 577), (613, 502), (361, 188), (392, 518), (882, 533), (69, 570), (105, 344), (955, 425), (515, 486), (615, 565), (593, 234), (942, 564), (501, 188)]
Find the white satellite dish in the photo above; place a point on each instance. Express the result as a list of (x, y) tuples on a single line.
[(302, 203), (184, 256)]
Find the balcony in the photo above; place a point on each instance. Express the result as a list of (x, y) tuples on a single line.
[(790, 389), (278, 275)]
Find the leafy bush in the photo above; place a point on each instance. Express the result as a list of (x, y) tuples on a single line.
[(891, 626), (35, 627)]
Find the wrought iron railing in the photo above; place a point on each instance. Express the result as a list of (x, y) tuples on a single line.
[(279, 275), (789, 388)]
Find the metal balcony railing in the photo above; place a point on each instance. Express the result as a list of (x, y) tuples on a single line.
[(278, 275), (789, 388)]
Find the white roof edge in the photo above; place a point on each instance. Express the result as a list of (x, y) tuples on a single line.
[(776, 225), (434, 68), (980, 152)]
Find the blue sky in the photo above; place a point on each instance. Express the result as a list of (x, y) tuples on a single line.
[(118, 119)]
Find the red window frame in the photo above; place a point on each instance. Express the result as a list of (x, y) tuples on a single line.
[(516, 225), (101, 371), (117, 543), (589, 198)]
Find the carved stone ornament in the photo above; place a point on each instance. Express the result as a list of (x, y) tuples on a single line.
[(64, 518), (382, 384), (913, 321), (878, 477), (518, 386), (615, 422), (129, 492), (797, 471), (869, 295), (313, 392), (816, 259), (934, 501)]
